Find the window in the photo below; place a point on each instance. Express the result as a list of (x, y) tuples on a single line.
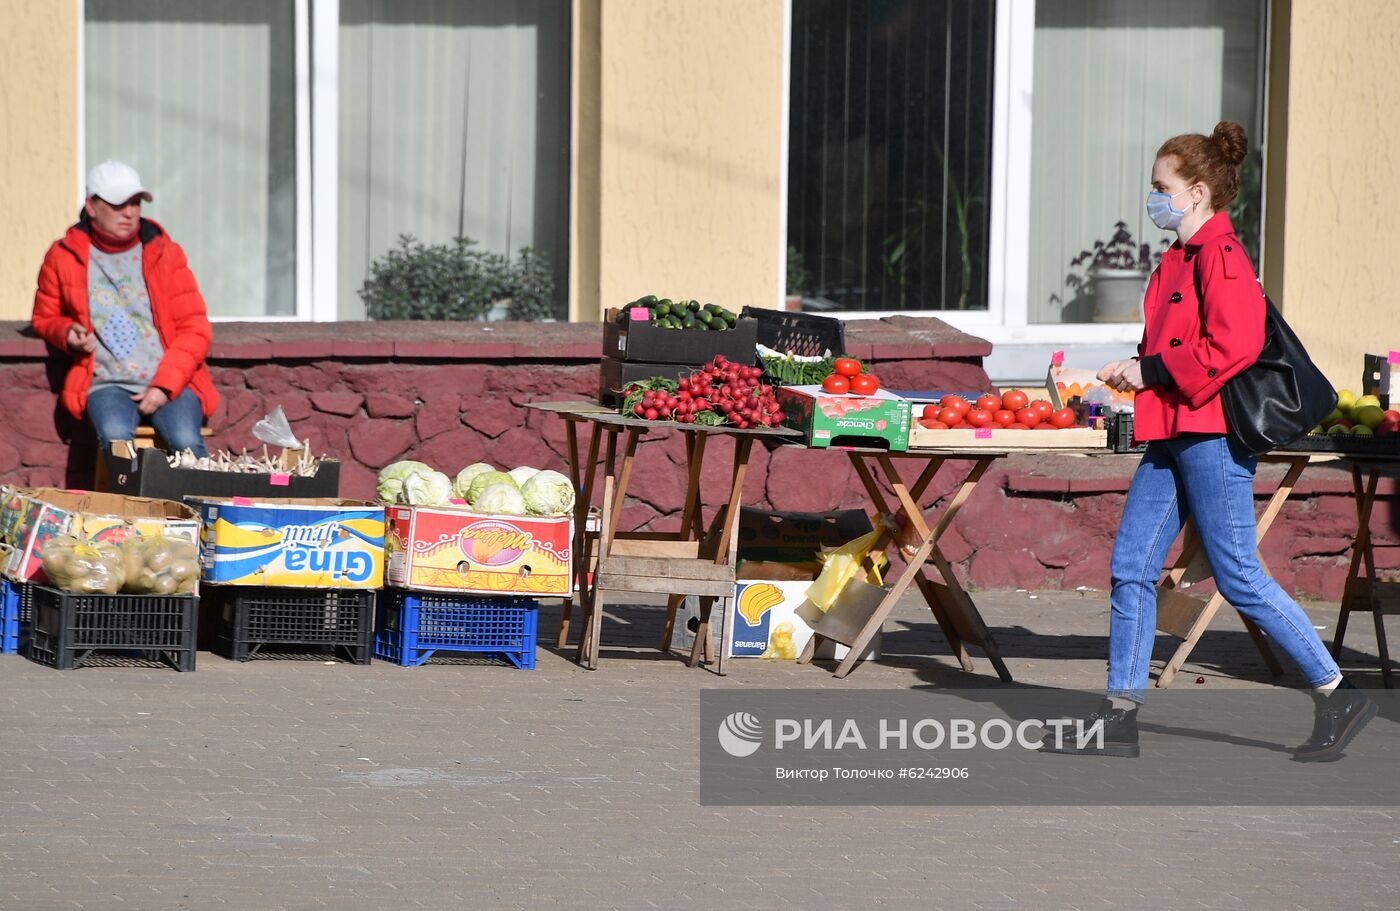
[(284, 181), (1113, 80), (889, 159), (199, 96)]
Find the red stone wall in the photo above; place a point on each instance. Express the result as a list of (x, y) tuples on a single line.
[(450, 395)]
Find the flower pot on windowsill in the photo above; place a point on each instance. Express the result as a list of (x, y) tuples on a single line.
[(1118, 294)]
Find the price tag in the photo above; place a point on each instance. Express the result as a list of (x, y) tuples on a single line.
[(279, 480), (982, 433), (639, 314), (242, 501), (1393, 358), (1057, 359), (457, 501)]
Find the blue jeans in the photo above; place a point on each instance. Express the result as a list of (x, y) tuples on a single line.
[(114, 416), (1205, 478)]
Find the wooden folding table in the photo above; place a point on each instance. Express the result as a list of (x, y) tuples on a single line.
[(695, 560), (1363, 591), (952, 608)]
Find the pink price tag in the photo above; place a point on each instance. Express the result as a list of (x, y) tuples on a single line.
[(242, 501), (982, 433), (279, 480), (457, 501), (1393, 358), (639, 314), (1057, 359)]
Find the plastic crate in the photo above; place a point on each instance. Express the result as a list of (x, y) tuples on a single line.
[(413, 625), (336, 620), (68, 627), (16, 614), (1387, 446), (1120, 432), (804, 334)]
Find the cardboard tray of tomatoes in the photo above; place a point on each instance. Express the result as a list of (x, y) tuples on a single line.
[(952, 421)]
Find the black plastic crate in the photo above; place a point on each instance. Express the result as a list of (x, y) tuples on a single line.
[(414, 625), (335, 620), (804, 334), (1386, 446), (69, 628), (1120, 432)]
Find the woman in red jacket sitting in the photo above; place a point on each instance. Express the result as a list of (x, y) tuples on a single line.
[(116, 294), (1204, 324)]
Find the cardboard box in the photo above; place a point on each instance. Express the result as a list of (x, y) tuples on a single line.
[(292, 543), (879, 421), (147, 473), (89, 517), (12, 506), (448, 549), (614, 376), (995, 437), (639, 340)]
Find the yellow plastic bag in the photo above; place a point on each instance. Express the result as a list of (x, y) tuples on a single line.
[(842, 564)]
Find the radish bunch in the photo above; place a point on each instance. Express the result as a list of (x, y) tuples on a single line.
[(720, 392)]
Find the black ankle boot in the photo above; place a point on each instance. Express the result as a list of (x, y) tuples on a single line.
[(1338, 717), (1120, 734)]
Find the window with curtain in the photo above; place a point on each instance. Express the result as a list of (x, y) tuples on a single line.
[(889, 154), (1113, 80), (454, 121), (199, 97)]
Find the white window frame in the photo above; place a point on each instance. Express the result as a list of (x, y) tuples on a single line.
[(315, 38)]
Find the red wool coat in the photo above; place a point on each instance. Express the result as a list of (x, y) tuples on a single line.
[(1200, 355), (176, 307)]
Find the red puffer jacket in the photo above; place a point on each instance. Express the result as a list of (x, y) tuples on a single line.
[(176, 306), (1193, 345)]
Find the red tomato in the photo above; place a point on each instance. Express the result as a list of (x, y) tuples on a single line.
[(864, 384), (955, 401), (1028, 416), (1018, 426), (1015, 400), (931, 412), (950, 416), (847, 366), (933, 425), (979, 417), (1043, 407), (1063, 418), (1004, 418), (836, 384), (989, 402)]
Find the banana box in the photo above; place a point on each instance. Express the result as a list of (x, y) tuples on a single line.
[(292, 543), (456, 550), (40, 514)]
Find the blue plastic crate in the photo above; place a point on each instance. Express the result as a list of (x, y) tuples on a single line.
[(16, 613), (414, 625)]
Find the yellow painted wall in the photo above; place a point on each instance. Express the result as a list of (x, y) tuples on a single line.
[(1341, 243), (38, 140), (689, 168)]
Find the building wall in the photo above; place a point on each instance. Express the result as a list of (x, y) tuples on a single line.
[(1340, 270), (690, 164), (39, 141)]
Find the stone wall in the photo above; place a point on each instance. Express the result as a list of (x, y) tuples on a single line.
[(450, 394)]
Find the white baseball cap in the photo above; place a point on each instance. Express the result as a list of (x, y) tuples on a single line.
[(115, 182)]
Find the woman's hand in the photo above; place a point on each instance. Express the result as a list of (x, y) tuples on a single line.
[(1123, 376), (150, 401), (81, 341)]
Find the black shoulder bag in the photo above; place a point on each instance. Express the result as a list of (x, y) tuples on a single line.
[(1281, 396)]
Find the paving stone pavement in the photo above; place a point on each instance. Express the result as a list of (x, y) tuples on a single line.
[(300, 785)]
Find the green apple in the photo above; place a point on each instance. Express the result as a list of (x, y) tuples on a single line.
[(1317, 429), (1361, 430), (1345, 399), (1370, 415), (1367, 401), (1333, 418), (1338, 430)]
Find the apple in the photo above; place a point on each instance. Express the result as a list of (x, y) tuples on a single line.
[(1393, 416), (1366, 401), (1338, 430), (1333, 417), (1361, 430), (1368, 415), (1345, 399), (1388, 428)]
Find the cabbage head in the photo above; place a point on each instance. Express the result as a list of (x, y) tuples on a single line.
[(427, 488), (483, 481), (548, 493), (465, 476), (500, 500), (522, 474), (391, 478)]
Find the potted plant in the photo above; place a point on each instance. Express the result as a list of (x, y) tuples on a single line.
[(1116, 276)]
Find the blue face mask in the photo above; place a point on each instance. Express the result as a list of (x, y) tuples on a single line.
[(1163, 214)]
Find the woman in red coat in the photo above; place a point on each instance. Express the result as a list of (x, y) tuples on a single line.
[(116, 295), (1204, 324)]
